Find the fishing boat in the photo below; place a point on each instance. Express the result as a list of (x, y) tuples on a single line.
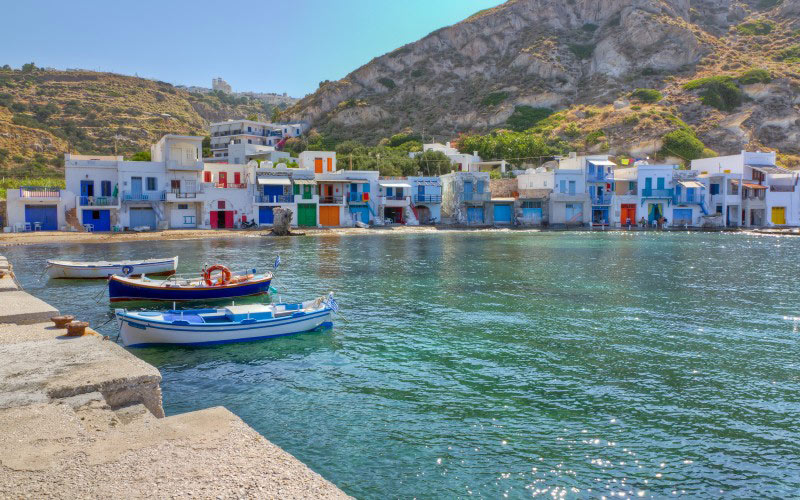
[(102, 269), (202, 327), (180, 288)]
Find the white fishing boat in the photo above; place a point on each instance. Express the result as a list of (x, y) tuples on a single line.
[(202, 327), (102, 269)]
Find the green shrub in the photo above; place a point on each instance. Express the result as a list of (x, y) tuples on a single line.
[(789, 55), (582, 51), (631, 119), (755, 76), (718, 92), (572, 130), (387, 82), (757, 27), (402, 138), (140, 156), (494, 98), (589, 27), (594, 137), (525, 117), (683, 143), (647, 95)]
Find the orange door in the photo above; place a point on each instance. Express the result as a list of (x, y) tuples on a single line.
[(318, 165), (329, 216), (627, 214), (330, 164)]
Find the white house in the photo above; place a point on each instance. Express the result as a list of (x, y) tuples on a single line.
[(461, 162), (465, 196), (318, 162), (569, 202), (37, 208), (234, 140), (227, 197), (426, 198)]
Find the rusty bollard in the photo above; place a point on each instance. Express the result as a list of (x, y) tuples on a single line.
[(62, 321), (76, 328)]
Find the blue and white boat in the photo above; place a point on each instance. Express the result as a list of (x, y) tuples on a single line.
[(180, 288), (202, 327)]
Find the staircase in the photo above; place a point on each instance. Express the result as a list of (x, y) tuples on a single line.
[(72, 220)]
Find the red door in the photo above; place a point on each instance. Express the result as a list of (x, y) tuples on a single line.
[(229, 219), (223, 179), (237, 178), (213, 219)]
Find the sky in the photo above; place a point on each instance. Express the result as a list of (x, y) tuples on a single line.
[(255, 45)]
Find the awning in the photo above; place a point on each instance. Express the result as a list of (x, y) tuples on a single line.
[(754, 186), (604, 163), (394, 185), (309, 182), (357, 181), (334, 181), (502, 200), (691, 184), (274, 181)]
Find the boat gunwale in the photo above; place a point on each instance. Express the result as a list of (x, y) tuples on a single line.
[(114, 264), (126, 280), (124, 316)]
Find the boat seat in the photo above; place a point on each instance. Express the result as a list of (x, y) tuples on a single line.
[(190, 318)]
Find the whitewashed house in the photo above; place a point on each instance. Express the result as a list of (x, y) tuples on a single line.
[(37, 208), (319, 162), (465, 196), (227, 197), (570, 204), (426, 198)]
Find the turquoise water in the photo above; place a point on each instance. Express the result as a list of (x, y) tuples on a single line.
[(493, 364)]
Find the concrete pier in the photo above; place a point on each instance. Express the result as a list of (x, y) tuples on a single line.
[(81, 417)]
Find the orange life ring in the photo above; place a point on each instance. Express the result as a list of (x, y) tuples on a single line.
[(224, 279)]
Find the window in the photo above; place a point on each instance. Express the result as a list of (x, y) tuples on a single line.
[(175, 185), (719, 209), (571, 187), (183, 206), (249, 141), (714, 189), (389, 191), (206, 176), (562, 186), (531, 204), (152, 185), (221, 205), (96, 214), (480, 187), (105, 188), (188, 220), (660, 183)]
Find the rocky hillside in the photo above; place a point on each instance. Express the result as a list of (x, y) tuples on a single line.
[(46, 113), (570, 56)]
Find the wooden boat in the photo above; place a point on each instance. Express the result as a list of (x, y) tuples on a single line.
[(181, 288), (102, 270), (202, 327)]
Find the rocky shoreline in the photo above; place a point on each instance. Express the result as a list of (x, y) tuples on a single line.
[(82, 418)]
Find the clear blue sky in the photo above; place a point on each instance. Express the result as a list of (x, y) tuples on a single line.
[(260, 45)]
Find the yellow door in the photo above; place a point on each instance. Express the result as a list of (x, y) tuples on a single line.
[(779, 215), (329, 216)]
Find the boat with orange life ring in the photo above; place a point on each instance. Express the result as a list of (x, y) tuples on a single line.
[(180, 288)]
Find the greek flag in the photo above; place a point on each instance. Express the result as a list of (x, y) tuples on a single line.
[(331, 302), (277, 263)]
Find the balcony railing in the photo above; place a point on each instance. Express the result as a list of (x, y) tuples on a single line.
[(273, 198), (151, 196), (428, 198), (657, 193), (600, 176), (476, 197), (97, 201), (683, 199), (357, 197), (782, 188), (331, 200), (603, 199), (183, 194), (39, 192), (230, 185), (395, 197)]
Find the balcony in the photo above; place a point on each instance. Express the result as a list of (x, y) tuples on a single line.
[(179, 195), (476, 197), (782, 188), (603, 199), (428, 198), (39, 192), (684, 199), (273, 198), (357, 197), (657, 193), (600, 176), (331, 200), (98, 201), (129, 197), (230, 185)]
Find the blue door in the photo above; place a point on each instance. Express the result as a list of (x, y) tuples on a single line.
[(136, 188), (360, 214), (87, 188), (682, 216), (468, 191), (502, 214), (532, 215), (265, 215), (475, 215), (46, 215), (100, 219), (141, 217)]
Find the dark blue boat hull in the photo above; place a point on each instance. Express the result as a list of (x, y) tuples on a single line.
[(120, 291)]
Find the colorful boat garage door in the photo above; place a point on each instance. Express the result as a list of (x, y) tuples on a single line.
[(45, 215), (779, 215), (265, 215), (475, 215), (502, 214), (360, 214), (306, 214), (100, 219), (142, 216), (682, 216), (627, 214), (329, 216)]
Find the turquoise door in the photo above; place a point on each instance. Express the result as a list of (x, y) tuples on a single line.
[(475, 215), (136, 188), (682, 216), (502, 214), (467, 191)]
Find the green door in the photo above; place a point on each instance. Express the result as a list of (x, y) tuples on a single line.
[(306, 214)]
